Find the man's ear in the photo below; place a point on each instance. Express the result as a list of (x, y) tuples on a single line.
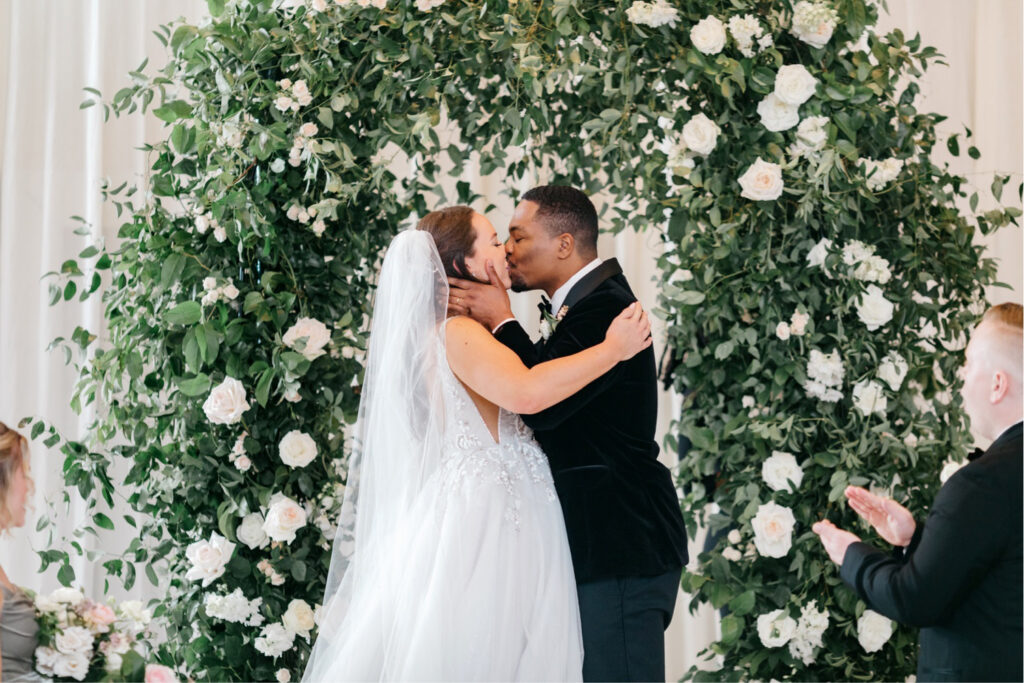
[(1000, 386), (566, 245)]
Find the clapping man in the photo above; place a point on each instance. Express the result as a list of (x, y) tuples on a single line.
[(958, 575)]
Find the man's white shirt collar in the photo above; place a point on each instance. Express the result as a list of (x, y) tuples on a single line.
[(559, 297)]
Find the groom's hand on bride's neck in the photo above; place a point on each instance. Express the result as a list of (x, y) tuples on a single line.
[(487, 303)]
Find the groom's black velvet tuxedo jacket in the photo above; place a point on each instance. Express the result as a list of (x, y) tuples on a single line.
[(621, 511), (960, 578)]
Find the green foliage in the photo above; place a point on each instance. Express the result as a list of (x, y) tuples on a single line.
[(562, 91)]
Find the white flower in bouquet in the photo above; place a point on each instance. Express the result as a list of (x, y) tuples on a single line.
[(873, 309), (781, 472), (74, 640), (949, 468), (745, 29), (762, 181), (46, 658), (157, 673), (112, 662), (68, 596), (315, 334), (274, 640), (46, 604), (708, 35), (794, 84), (308, 130), (226, 402), (250, 531), (234, 607), (813, 23), (99, 617), (701, 134), (873, 269), (653, 14), (283, 676), (782, 330), (824, 375), (873, 630), (208, 558), (318, 227), (775, 628), (284, 518), (798, 323), (297, 449), (868, 398), (773, 529), (816, 256), (893, 370), (134, 615), (777, 115), (74, 665), (298, 618), (910, 440), (277, 165), (285, 103), (734, 536), (116, 644)]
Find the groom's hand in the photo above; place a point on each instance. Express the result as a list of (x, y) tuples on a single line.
[(487, 303), (835, 540)]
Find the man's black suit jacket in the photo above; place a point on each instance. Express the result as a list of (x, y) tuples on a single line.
[(620, 505), (960, 579)]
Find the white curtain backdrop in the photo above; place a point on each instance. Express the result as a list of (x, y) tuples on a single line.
[(53, 157)]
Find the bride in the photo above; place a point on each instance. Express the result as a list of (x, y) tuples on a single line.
[(451, 560)]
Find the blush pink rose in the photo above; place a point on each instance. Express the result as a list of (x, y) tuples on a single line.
[(156, 673), (100, 616)]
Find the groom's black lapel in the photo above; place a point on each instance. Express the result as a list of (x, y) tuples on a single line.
[(591, 281)]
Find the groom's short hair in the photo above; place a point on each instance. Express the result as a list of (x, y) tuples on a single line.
[(565, 209)]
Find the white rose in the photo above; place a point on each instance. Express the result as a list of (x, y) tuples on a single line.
[(297, 449), (283, 676), (308, 130), (873, 630), (708, 35), (773, 529), (69, 596), (868, 398), (775, 628), (873, 309), (226, 402), (274, 640), (284, 518), (74, 640), (893, 370), (701, 134), (315, 334), (220, 234), (949, 469), (113, 663), (284, 103), (202, 224), (813, 23), (74, 666), (734, 536), (298, 618), (798, 323), (318, 227), (782, 330), (209, 283), (794, 84), (243, 463), (748, 402), (762, 181), (250, 531), (777, 115), (301, 93), (46, 657), (208, 558), (910, 440), (732, 554), (781, 472), (277, 165), (816, 256)]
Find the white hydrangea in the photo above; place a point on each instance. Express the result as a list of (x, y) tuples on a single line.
[(816, 256), (809, 631), (775, 628), (868, 397), (811, 136), (873, 309), (274, 640), (893, 370), (878, 174), (234, 607), (781, 472), (824, 376), (745, 30), (708, 35), (653, 14), (873, 631), (873, 269), (777, 115), (813, 22), (856, 251)]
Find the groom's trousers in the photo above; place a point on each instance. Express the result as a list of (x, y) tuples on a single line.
[(624, 621)]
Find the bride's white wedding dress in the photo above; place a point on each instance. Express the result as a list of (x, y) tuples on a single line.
[(468, 574)]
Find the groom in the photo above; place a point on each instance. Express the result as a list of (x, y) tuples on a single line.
[(621, 512)]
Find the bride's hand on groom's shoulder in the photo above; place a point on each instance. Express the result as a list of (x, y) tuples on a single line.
[(487, 303), (630, 332)]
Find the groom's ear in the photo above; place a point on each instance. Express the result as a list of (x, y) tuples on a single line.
[(566, 245)]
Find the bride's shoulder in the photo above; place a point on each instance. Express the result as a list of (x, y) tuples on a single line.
[(462, 326)]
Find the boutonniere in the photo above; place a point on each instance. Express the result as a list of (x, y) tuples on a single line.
[(549, 322)]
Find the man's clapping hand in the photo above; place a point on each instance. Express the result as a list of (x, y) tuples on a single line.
[(892, 521)]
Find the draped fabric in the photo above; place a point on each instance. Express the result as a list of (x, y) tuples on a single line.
[(53, 156)]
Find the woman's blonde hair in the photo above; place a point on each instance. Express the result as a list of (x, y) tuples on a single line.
[(13, 455)]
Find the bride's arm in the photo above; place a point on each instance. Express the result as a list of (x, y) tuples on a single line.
[(495, 372)]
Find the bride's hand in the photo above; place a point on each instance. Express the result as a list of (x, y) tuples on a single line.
[(630, 332)]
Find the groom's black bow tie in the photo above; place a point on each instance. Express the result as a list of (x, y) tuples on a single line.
[(975, 454), (544, 307)]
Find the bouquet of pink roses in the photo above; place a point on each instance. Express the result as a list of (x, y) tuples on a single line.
[(84, 640)]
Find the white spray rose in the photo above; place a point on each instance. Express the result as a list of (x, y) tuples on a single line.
[(284, 675), (873, 630), (775, 628), (794, 84), (314, 332), (781, 472), (274, 640), (868, 398), (250, 531), (762, 181), (782, 330), (701, 134), (811, 136), (298, 618), (873, 309), (284, 518), (277, 165), (893, 370), (773, 529), (798, 323), (208, 558), (74, 665), (226, 402), (777, 115), (708, 35), (734, 536), (297, 449), (732, 554)]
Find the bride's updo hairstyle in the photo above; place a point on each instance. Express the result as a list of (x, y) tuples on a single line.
[(13, 457), (454, 237)]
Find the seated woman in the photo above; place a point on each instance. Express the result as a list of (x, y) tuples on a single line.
[(18, 628)]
